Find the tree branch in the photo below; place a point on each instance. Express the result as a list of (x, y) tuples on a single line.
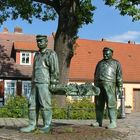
[(57, 6), (53, 3), (48, 2)]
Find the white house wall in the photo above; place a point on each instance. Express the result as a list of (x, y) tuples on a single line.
[(128, 88)]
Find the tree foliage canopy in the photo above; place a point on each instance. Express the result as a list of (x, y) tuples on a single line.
[(46, 9), (49, 9), (126, 7)]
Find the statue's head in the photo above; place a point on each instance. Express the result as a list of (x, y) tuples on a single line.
[(42, 41), (107, 53)]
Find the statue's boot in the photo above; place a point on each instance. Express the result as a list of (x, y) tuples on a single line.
[(47, 118), (32, 123), (99, 119), (112, 117)]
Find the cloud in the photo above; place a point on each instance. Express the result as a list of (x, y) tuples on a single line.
[(125, 37)]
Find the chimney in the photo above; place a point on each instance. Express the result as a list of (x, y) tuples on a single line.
[(17, 30), (103, 39), (5, 30), (131, 42), (53, 34)]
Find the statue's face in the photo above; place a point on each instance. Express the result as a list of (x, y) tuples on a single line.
[(107, 54), (41, 43)]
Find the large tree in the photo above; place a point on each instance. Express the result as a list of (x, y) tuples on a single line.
[(71, 14)]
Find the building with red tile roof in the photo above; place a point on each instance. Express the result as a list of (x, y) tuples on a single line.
[(16, 67), (89, 52)]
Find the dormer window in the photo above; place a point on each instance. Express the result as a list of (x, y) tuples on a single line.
[(25, 58)]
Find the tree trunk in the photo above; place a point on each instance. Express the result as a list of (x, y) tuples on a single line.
[(64, 49), (64, 41)]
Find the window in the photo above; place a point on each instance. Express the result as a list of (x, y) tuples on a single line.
[(10, 88), (26, 88), (25, 58)]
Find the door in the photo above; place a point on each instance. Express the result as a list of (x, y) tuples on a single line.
[(136, 100)]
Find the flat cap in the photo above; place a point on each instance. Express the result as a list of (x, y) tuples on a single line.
[(41, 37), (106, 48)]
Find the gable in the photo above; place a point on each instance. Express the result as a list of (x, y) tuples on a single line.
[(9, 43)]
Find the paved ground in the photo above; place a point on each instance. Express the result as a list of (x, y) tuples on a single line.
[(128, 129)]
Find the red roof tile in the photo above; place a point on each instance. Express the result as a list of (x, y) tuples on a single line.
[(26, 46), (89, 53)]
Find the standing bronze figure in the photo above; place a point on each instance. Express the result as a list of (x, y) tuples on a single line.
[(45, 76), (108, 77)]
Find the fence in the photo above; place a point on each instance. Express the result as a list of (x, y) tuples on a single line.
[(18, 107)]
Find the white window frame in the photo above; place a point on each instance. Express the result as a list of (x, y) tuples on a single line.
[(34, 54), (5, 87), (23, 91), (21, 56)]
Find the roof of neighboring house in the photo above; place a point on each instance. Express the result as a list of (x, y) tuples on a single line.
[(86, 56), (25, 46), (17, 41), (89, 52), (32, 45)]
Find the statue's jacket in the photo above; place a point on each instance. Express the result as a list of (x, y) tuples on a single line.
[(45, 67), (108, 77), (108, 71)]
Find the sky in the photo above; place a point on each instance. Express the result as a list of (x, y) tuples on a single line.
[(108, 24)]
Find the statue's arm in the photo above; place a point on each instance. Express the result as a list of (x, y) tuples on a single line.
[(119, 80), (33, 71), (54, 68)]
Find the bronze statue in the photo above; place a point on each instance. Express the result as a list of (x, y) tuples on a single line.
[(44, 77), (108, 77)]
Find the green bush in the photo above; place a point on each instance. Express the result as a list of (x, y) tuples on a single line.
[(82, 109), (15, 106), (58, 113), (79, 109)]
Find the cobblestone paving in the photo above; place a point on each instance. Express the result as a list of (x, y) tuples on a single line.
[(128, 129)]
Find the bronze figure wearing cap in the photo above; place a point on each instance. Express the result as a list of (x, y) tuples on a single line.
[(45, 76), (108, 77)]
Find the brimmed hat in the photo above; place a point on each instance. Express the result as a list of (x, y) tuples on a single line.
[(106, 48), (41, 37)]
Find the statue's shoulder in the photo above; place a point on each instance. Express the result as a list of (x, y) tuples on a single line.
[(50, 50), (36, 54), (115, 60), (100, 61)]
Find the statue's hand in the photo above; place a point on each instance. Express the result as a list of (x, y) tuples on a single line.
[(120, 93), (52, 87)]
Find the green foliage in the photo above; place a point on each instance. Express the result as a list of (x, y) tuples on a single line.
[(85, 12), (126, 7), (25, 9), (82, 109), (79, 109), (15, 107), (58, 113)]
